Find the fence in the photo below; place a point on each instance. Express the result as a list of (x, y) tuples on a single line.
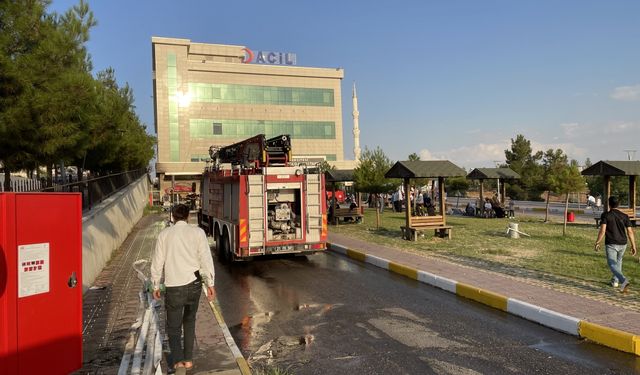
[(94, 190), (23, 185)]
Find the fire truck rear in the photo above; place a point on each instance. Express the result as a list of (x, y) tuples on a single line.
[(255, 201)]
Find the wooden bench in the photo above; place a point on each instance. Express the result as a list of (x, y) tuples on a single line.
[(355, 213), (418, 224), (628, 211)]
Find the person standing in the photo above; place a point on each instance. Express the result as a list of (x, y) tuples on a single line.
[(182, 253), (615, 227)]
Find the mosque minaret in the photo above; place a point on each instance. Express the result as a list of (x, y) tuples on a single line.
[(356, 129)]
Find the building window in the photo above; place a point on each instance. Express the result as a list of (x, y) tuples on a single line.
[(272, 95), (172, 88), (201, 128), (217, 128)]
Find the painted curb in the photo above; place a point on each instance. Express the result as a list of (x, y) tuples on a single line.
[(610, 337), (240, 360), (559, 322)]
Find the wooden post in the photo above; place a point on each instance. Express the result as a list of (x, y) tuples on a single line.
[(443, 209), (481, 193), (407, 200), (607, 192), (633, 182), (503, 193)]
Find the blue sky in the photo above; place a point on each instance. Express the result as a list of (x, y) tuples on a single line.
[(450, 80)]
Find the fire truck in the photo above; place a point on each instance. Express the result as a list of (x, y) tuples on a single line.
[(255, 201)]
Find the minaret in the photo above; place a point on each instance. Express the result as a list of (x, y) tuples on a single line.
[(356, 129)]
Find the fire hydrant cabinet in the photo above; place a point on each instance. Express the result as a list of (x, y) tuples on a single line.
[(40, 283)]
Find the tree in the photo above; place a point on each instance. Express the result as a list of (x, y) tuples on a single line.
[(51, 107), (553, 163), (522, 161), (368, 176), (566, 180), (22, 29), (458, 184), (414, 157)]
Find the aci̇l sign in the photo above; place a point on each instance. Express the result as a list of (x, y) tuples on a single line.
[(266, 57)]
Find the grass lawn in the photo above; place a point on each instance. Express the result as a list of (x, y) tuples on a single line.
[(480, 242)]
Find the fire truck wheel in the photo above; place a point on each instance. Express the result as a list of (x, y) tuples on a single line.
[(228, 256), (219, 246)]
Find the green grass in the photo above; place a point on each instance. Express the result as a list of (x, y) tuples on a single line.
[(479, 242)]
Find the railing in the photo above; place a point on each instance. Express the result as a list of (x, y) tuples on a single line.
[(23, 185), (93, 190)]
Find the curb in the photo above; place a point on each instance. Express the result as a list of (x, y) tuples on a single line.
[(240, 360), (602, 335)]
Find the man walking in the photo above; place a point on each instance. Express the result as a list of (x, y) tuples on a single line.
[(615, 227), (182, 252)]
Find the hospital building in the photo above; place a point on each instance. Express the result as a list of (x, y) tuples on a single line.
[(215, 95)]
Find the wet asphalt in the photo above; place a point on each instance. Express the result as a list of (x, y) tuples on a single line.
[(326, 314)]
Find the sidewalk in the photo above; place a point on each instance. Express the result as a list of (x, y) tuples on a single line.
[(113, 305), (581, 315)]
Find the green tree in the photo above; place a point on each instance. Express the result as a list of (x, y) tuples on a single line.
[(553, 163), (23, 27), (566, 180), (369, 177), (414, 157), (522, 161), (458, 186)]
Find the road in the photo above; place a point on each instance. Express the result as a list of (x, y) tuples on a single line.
[(326, 314)]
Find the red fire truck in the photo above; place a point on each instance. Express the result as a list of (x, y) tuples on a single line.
[(254, 201)]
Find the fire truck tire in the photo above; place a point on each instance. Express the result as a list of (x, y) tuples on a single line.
[(219, 245), (228, 256)]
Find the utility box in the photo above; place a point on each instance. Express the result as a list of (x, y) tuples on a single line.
[(40, 283)]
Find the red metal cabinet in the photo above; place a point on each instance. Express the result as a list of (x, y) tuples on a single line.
[(40, 283)]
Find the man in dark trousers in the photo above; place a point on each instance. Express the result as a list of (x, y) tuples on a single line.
[(182, 252), (615, 227)]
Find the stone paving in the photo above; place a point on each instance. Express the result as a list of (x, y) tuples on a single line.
[(112, 305)]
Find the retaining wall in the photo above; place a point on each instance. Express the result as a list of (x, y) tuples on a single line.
[(107, 225)]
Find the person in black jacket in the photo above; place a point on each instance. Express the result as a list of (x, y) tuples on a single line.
[(615, 227)]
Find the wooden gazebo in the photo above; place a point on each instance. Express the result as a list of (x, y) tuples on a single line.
[(440, 169), (501, 174), (608, 168)]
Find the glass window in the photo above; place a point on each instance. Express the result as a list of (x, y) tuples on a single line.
[(217, 128)]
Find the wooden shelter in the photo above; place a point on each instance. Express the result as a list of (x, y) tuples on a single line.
[(608, 168), (501, 174), (440, 169)]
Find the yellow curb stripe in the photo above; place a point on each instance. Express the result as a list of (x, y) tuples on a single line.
[(483, 296), (411, 273), (356, 255), (610, 337)]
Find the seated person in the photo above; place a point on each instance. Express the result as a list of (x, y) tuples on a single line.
[(497, 207), (470, 210), (431, 209), (487, 208)]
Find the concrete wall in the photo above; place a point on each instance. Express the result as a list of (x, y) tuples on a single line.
[(107, 225)]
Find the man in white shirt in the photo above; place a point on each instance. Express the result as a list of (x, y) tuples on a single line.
[(182, 252)]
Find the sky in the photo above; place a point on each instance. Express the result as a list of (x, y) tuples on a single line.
[(455, 80)]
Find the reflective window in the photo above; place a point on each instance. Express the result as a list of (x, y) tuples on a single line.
[(172, 86), (207, 128), (248, 94)]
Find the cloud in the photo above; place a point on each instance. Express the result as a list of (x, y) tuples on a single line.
[(570, 149), (570, 129), (472, 156), (621, 127), (626, 93)]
